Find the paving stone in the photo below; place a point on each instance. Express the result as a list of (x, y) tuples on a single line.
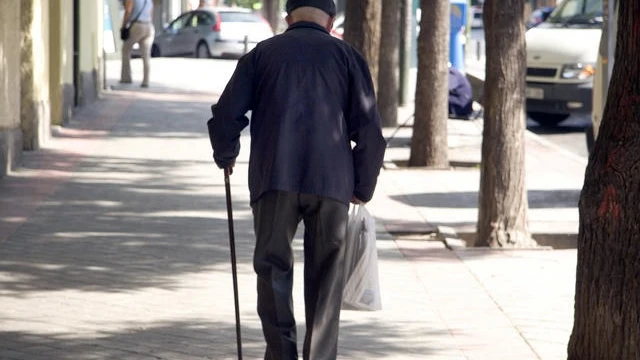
[(114, 245)]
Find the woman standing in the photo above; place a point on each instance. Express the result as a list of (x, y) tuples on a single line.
[(138, 18)]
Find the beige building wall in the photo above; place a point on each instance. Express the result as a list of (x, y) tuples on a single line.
[(91, 65), (61, 89), (34, 71), (10, 133)]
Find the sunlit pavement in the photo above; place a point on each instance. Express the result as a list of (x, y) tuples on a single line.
[(114, 243)]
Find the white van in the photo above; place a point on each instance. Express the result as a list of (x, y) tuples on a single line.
[(601, 80), (561, 61)]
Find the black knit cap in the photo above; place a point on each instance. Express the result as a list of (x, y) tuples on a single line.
[(327, 6)]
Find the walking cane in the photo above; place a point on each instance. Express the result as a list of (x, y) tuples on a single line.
[(232, 244)]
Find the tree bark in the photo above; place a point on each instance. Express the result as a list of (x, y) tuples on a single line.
[(271, 9), (388, 76), (362, 31), (607, 300), (429, 145), (502, 217)]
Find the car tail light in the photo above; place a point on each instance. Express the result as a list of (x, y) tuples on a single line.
[(218, 25)]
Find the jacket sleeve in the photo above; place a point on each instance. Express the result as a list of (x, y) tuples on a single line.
[(229, 114), (365, 131)]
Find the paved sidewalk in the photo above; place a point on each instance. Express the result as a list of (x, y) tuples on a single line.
[(114, 245)]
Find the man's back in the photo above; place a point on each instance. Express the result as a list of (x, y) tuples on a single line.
[(303, 116)]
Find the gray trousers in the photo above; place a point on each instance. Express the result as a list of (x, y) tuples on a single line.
[(276, 218), (142, 34)]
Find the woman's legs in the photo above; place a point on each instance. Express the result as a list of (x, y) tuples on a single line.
[(143, 34), (145, 47), (127, 46)]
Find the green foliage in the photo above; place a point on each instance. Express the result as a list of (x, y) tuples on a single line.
[(249, 4)]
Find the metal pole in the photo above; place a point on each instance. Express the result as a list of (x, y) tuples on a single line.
[(234, 272), (246, 44)]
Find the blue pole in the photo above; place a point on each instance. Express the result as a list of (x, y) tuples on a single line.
[(457, 25), (456, 56)]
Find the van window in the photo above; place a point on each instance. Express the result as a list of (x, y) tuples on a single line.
[(578, 12)]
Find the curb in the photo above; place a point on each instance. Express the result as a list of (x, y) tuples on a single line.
[(450, 238), (455, 242)]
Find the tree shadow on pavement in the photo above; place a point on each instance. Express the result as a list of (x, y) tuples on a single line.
[(200, 339), (162, 340), (120, 224), (141, 218), (138, 115), (538, 199), (128, 198)]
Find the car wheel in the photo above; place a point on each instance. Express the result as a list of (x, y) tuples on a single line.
[(545, 119), (155, 51), (202, 51)]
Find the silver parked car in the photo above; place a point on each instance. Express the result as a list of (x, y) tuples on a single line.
[(212, 32)]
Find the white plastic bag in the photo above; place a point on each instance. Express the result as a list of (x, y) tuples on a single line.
[(362, 287)]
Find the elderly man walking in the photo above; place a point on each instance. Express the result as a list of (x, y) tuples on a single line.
[(311, 98)]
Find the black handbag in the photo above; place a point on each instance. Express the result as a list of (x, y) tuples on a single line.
[(124, 33), (126, 30)]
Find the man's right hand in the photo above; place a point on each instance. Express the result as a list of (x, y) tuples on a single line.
[(355, 200)]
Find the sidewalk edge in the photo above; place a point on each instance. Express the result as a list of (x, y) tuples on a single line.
[(450, 238)]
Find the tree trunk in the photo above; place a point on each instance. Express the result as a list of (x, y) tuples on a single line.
[(607, 300), (429, 145), (388, 76), (502, 217), (271, 9), (362, 31)]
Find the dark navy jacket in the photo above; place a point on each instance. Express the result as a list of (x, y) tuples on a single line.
[(460, 94), (310, 96)]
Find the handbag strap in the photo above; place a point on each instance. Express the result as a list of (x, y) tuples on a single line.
[(139, 12)]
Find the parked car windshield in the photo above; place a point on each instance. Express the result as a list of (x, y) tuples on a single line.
[(228, 16), (180, 22), (577, 12)]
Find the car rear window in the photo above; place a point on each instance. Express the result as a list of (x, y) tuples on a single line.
[(229, 16)]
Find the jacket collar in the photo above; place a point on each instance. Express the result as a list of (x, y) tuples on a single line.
[(306, 24)]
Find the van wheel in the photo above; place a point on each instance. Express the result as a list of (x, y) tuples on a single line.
[(545, 119), (202, 51)]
